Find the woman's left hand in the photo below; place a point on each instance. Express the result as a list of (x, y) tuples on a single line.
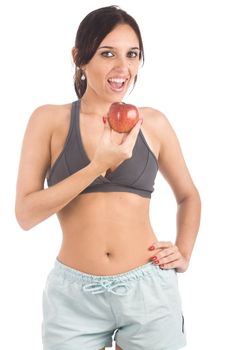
[(168, 256)]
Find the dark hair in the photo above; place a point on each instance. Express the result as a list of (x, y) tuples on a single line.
[(92, 30)]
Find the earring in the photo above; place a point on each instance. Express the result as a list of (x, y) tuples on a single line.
[(83, 77)]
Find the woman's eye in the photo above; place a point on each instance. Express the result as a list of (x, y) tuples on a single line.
[(132, 54), (107, 54)]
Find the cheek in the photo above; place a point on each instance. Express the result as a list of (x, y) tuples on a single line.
[(97, 73), (94, 77), (133, 76), (134, 68)]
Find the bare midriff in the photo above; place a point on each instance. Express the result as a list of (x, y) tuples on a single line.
[(106, 233)]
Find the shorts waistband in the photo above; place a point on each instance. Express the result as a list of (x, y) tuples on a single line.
[(100, 283)]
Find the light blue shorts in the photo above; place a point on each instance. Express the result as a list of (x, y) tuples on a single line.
[(83, 311)]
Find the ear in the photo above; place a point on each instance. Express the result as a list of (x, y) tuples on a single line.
[(74, 53)]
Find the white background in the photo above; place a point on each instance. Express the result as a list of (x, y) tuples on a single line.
[(187, 75)]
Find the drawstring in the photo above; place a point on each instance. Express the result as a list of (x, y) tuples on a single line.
[(102, 286)]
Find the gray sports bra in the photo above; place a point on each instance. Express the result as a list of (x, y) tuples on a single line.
[(135, 175)]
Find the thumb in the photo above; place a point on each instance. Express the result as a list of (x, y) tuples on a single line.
[(106, 123), (132, 135)]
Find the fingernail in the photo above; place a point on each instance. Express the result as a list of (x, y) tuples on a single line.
[(162, 265), (152, 247), (154, 259), (104, 120), (156, 262)]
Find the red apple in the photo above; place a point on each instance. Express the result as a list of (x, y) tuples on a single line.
[(122, 116)]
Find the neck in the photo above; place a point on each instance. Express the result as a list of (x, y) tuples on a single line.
[(93, 104)]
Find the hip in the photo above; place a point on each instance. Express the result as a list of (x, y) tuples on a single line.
[(93, 307)]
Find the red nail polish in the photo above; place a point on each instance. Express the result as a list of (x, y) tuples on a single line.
[(156, 262), (104, 120), (152, 248), (162, 265)]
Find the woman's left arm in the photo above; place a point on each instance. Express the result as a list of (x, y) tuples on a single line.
[(173, 167)]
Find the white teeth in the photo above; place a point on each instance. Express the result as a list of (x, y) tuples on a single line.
[(117, 80)]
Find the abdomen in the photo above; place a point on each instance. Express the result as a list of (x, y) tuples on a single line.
[(106, 233)]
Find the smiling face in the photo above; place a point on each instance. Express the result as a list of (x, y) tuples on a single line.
[(114, 65)]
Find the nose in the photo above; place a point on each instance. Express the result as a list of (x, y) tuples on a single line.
[(122, 63)]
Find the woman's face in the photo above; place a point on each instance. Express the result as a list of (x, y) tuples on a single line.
[(114, 66)]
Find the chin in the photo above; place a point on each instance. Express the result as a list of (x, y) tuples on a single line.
[(116, 97)]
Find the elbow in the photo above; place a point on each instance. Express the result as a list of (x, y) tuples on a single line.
[(23, 219), (191, 195), (196, 196), (24, 224)]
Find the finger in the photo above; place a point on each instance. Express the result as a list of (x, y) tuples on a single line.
[(165, 257), (160, 245), (124, 137), (167, 252), (163, 244), (136, 128), (169, 258), (107, 128), (179, 264), (106, 121), (171, 265), (132, 135)]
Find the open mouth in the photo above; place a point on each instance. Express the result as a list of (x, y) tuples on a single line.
[(117, 84)]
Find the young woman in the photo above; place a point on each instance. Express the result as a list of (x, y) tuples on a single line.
[(111, 273)]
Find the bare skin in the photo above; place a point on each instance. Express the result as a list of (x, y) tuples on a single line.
[(105, 233), (114, 229)]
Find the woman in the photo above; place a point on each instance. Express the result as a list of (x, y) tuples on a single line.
[(111, 273)]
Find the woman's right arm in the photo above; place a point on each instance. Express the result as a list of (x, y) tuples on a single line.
[(34, 203)]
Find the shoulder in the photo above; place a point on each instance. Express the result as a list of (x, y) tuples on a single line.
[(154, 121), (50, 111), (50, 116), (153, 116)]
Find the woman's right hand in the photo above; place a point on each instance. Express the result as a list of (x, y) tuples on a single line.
[(108, 153)]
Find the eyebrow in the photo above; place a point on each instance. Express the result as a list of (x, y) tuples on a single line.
[(111, 48)]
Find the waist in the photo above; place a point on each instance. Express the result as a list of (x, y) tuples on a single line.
[(106, 251)]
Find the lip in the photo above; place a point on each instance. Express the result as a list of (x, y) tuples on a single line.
[(122, 88), (119, 77)]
